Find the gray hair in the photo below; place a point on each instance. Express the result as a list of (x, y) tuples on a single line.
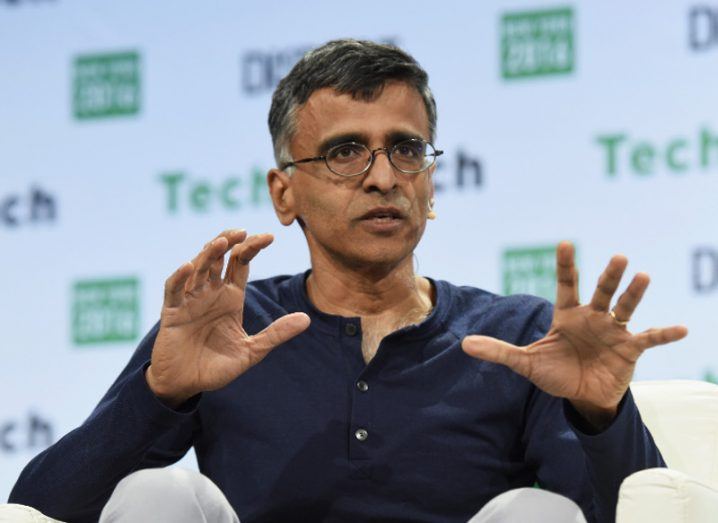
[(357, 67)]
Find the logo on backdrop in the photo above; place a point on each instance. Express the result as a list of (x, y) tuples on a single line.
[(537, 43), (705, 269), (261, 70), (710, 376), (105, 311), (530, 270), (32, 432), (468, 172), (106, 85), (33, 207), (624, 154), (186, 193), (703, 27)]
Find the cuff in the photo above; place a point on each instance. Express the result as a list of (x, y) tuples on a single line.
[(588, 435), (150, 408)]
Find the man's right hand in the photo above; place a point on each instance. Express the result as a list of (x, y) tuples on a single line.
[(201, 344)]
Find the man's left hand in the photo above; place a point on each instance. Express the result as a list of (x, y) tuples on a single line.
[(588, 355)]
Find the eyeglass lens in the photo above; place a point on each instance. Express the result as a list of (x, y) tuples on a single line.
[(410, 156)]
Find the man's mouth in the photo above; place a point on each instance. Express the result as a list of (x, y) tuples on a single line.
[(383, 214)]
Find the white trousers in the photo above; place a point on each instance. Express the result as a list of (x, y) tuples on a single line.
[(176, 495)]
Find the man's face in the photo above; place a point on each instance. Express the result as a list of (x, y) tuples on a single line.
[(374, 218)]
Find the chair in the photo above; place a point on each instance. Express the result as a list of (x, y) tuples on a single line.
[(683, 419)]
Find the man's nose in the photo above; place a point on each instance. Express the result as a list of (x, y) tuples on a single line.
[(382, 175)]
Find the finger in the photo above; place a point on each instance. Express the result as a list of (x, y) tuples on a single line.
[(566, 277), (174, 285), (279, 331), (497, 351), (209, 255), (653, 337), (211, 259), (631, 297), (233, 237), (231, 265), (242, 254), (608, 283), (215, 270)]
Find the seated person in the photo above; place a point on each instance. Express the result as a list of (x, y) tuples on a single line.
[(359, 390)]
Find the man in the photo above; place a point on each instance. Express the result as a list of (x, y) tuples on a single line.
[(342, 394)]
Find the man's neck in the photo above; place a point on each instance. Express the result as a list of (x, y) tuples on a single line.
[(385, 298), (336, 289)]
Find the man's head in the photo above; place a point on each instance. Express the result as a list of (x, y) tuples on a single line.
[(369, 96), (358, 68)]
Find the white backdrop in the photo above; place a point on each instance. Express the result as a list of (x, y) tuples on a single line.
[(132, 132)]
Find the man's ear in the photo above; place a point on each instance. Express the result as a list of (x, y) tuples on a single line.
[(280, 190)]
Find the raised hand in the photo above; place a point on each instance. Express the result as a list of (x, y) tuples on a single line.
[(201, 344), (588, 355)]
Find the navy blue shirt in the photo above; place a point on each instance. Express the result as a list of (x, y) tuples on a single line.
[(423, 433)]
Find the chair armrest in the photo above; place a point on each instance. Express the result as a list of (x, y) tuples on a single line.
[(663, 495)]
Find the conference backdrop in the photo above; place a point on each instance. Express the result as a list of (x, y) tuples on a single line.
[(132, 132)]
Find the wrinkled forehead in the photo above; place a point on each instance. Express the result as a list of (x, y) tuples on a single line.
[(394, 109)]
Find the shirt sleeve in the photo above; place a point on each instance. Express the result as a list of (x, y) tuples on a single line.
[(585, 466), (130, 429), (624, 447)]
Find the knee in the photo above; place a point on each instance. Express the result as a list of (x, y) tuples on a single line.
[(178, 494), (170, 484), (530, 505), (12, 513)]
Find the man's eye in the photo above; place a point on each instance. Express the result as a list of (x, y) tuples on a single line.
[(348, 151), (409, 150)]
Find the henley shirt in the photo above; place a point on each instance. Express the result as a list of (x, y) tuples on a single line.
[(422, 433)]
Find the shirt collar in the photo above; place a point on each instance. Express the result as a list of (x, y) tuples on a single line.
[(296, 291)]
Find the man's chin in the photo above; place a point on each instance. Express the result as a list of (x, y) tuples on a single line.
[(379, 258)]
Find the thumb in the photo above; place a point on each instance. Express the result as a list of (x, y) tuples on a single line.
[(497, 351), (280, 330)]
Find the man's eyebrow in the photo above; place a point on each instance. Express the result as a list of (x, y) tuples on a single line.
[(400, 136), (330, 142), (392, 138)]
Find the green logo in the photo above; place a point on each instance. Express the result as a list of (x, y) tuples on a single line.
[(106, 85), (105, 311), (184, 193), (530, 270), (710, 376), (677, 155), (537, 43)]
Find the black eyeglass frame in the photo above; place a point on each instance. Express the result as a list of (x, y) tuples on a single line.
[(388, 150)]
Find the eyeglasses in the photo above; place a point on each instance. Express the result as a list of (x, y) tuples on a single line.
[(352, 158)]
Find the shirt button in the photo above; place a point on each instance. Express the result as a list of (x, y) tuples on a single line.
[(361, 435), (350, 329), (362, 386)]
